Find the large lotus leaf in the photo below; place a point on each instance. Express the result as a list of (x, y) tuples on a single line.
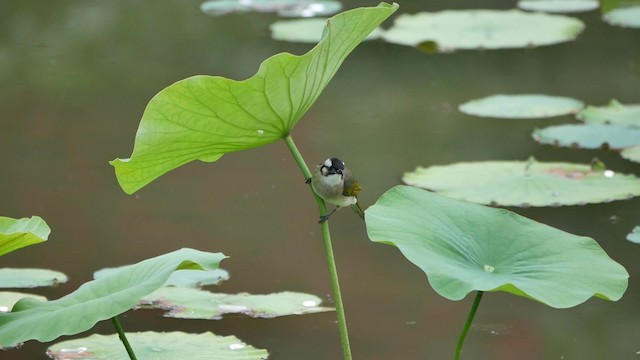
[(97, 300), (184, 278), (30, 278), (634, 235), (525, 183), (10, 298), (190, 303), (521, 106), (482, 29), (624, 16), (559, 6), (157, 346), (305, 30), (464, 247), (295, 8), (18, 233), (632, 153), (588, 136), (204, 117), (614, 113)]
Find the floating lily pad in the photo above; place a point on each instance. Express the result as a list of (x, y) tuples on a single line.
[(624, 16), (153, 345), (521, 106), (482, 29), (305, 30), (204, 117), (18, 233), (97, 300), (464, 247), (183, 278), (614, 113), (632, 153), (200, 304), (30, 278), (525, 183), (634, 235), (588, 136), (293, 8), (10, 298), (559, 6)]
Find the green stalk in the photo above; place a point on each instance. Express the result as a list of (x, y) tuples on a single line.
[(123, 337), (467, 324), (328, 248)]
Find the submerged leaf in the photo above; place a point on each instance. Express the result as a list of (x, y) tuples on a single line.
[(624, 16), (482, 29), (559, 6), (97, 300), (525, 183), (634, 235), (295, 8), (200, 304), (204, 117), (521, 106), (588, 136), (632, 153), (614, 113), (30, 278), (18, 233), (464, 247), (157, 346)]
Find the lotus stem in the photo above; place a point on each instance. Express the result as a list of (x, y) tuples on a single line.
[(467, 324), (331, 262), (123, 337)]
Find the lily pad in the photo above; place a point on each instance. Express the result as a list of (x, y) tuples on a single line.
[(157, 346), (634, 235), (97, 300), (632, 153), (18, 233), (183, 278), (525, 183), (559, 6), (464, 247), (10, 298), (482, 29), (293, 8), (305, 30), (614, 113), (30, 278), (588, 136), (624, 16), (205, 117), (521, 106), (189, 303)]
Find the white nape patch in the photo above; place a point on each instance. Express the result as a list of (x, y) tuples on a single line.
[(328, 163)]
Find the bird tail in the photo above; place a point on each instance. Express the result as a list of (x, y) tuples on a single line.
[(358, 210)]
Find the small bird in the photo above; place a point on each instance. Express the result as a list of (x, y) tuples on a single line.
[(333, 182)]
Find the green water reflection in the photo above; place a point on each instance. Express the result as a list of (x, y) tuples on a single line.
[(76, 76)]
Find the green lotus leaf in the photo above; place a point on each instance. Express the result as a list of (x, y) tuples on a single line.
[(464, 247), (525, 183), (204, 117), (30, 278), (294, 8), (157, 346), (305, 30), (559, 6), (521, 106), (190, 303), (632, 153), (614, 113), (10, 298), (18, 233), (624, 16), (183, 278), (588, 136), (97, 300), (608, 5), (634, 235), (482, 29)]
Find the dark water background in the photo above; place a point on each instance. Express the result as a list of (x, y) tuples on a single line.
[(75, 77)]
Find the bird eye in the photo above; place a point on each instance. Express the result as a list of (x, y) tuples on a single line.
[(339, 171)]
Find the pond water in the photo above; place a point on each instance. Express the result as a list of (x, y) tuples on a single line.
[(76, 76)]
